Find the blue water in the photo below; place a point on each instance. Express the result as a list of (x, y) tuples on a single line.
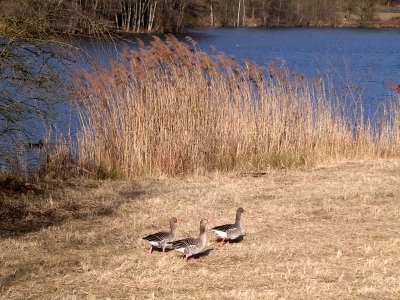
[(368, 58)]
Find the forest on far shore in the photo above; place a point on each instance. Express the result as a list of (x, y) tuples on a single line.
[(162, 16)]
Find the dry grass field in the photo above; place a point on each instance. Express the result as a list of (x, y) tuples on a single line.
[(331, 232)]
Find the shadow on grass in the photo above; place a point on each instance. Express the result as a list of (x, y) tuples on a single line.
[(156, 249), (18, 275), (26, 208), (198, 255), (237, 240)]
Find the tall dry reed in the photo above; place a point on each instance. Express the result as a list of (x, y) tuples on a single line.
[(169, 109)]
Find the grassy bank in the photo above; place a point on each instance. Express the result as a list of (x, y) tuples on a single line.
[(167, 109), (327, 233)]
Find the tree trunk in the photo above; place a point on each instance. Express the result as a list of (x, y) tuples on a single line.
[(279, 13), (152, 14), (244, 15), (182, 6), (116, 21), (128, 16), (211, 14), (238, 15), (96, 3), (136, 16)]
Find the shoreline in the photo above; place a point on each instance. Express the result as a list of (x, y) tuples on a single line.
[(385, 19)]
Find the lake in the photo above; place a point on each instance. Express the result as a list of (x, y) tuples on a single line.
[(368, 58)]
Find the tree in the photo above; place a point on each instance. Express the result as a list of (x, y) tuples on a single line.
[(364, 9), (319, 13), (34, 68), (27, 71), (281, 12)]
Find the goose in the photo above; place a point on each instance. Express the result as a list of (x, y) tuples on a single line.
[(191, 246), (230, 231), (162, 239)]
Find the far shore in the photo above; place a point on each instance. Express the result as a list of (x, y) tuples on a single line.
[(383, 19)]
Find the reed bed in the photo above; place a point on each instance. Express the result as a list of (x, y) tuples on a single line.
[(172, 109)]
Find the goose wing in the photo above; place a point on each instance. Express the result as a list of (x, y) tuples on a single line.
[(188, 246), (158, 238), (224, 228), (230, 231)]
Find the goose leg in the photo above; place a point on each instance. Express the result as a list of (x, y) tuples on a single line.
[(189, 260), (151, 250), (222, 242)]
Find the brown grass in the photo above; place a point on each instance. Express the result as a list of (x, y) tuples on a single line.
[(327, 233), (167, 109)]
